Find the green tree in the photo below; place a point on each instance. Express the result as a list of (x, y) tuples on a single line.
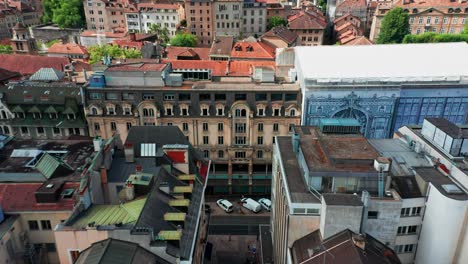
[(395, 26), (276, 21), (70, 14), (466, 29), (184, 40), (49, 7), (6, 49), (323, 5), (161, 32), (431, 37), (96, 53)]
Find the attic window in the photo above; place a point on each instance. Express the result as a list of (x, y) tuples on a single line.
[(415, 10), (450, 10), (49, 186), (238, 48), (68, 193), (249, 48)]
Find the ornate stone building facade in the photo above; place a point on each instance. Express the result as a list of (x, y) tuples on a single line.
[(232, 123)]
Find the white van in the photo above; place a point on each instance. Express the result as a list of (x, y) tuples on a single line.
[(251, 204), (265, 203), (225, 205)]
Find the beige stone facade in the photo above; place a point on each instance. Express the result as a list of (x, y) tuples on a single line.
[(199, 16), (105, 15)]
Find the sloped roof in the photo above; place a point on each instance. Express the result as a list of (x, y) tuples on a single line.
[(47, 74), (29, 64), (6, 74), (352, 4), (222, 46), (173, 52), (307, 20), (51, 167), (253, 50), (67, 48), (283, 33), (359, 41)]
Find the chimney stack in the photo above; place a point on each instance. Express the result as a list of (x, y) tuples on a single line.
[(359, 241), (129, 153)]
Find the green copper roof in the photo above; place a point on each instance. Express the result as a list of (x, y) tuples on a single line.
[(179, 202), (17, 109), (186, 177), (99, 215), (169, 235), (34, 109), (183, 189), (50, 110), (174, 216), (50, 166)]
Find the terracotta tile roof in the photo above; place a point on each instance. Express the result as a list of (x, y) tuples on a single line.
[(252, 50), (80, 66), (307, 20), (359, 41), (351, 4), (90, 33), (29, 64), (157, 6), (438, 4), (142, 66), (67, 48), (283, 33), (218, 68), (245, 68), (345, 17), (17, 197), (173, 52), (128, 43), (345, 25), (222, 46)]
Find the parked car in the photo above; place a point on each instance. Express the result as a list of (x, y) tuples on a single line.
[(265, 203), (225, 205), (251, 204)]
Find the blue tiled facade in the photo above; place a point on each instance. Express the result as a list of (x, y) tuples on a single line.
[(382, 111)]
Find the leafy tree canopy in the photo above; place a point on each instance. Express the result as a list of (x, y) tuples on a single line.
[(431, 37), (276, 21), (6, 49), (184, 40), (97, 53), (64, 13), (395, 26), (161, 32)]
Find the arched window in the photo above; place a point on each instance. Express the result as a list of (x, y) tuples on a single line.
[(243, 112), (151, 112), (94, 111), (292, 112), (238, 112)]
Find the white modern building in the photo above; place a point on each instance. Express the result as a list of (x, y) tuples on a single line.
[(165, 15)]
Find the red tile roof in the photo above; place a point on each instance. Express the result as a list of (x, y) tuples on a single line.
[(157, 6), (67, 48), (283, 33), (345, 17), (431, 3), (252, 50), (360, 41), (219, 68), (173, 52), (245, 68), (90, 33), (128, 43), (351, 4), (17, 197), (307, 20), (29, 64), (142, 66)]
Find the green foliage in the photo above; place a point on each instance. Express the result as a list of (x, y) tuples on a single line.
[(431, 37), (162, 33), (395, 26), (64, 13), (6, 49), (96, 53), (183, 23), (323, 5), (466, 29), (184, 40), (52, 42), (276, 21)]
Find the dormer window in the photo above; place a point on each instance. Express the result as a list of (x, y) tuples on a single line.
[(19, 115), (261, 111), (71, 116), (205, 110), (292, 112), (53, 115), (148, 112), (94, 111), (111, 111), (127, 111), (169, 111), (238, 48), (36, 115), (220, 111), (276, 111), (249, 48)]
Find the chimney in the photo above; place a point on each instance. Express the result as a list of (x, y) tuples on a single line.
[(359, 241), (132, 36), (129, 190), (129, 153), (103, 175), (138, 169)]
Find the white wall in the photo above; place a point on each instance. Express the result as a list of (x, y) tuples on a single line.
[(442, 224)]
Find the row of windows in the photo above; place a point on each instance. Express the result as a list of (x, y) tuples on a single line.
[(237, 154), (429, 20), (34, 225), (405, 248), (436, 30), (201, 96), (407, 230), (411, 211), (41, 131)]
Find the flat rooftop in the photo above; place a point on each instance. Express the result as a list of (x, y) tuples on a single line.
[(448, 127), (383, 63), (17, 157), (351, 153), (342, 199), (294, 177), (437, 179), (406, 186)]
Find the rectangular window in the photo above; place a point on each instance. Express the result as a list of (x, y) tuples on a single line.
[(169, 111), (129, 125), (205, 97), (205, 140), (113, 126), (290, 97), (260, 127), (205, 126), (261, 97), (401, 230), (112, 96), (185, 126), (45, 225), (259, 154), (260, 140), (97, 127), (40, 130), (128, 96), (220, 154), (220, 97), (275, 127), (405, 211), (276, 97), (220, 126), (220, 140), (95, 96), (33, 225), (56, 130), (148, 96), (239, 155), (412, 229), (169, 97), (276, 112), (240, 140), (220, 111), (240, 97), (372, 214), (184, 97), (240, 127)]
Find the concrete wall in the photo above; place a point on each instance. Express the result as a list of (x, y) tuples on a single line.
[(76, 240), (300, 226), (442, 226), (336, 218), (47, 33), (11, 238), (385, 227)]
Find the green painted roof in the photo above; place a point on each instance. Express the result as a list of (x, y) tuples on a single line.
[(186, 177), (169, 235), (17, 108), (179, 202), (49, 165), (174, 216), (50, 110), (183, 189), (126, 213), (34, 109), (47, 74)]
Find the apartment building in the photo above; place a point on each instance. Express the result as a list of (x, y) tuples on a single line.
[(107, 16), (227, 17), (357, 8), (254, 18), (309, 26), (444, 17), (233, 123), (162, 14), (200, 20), (12, 12), (151, 193)]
